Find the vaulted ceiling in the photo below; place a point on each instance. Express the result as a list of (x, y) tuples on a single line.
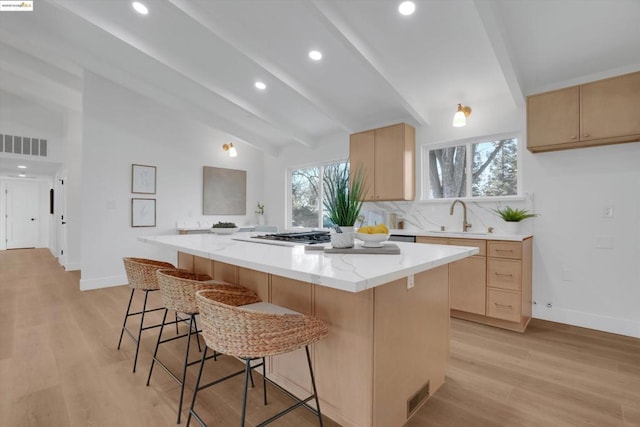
[(378, 67)]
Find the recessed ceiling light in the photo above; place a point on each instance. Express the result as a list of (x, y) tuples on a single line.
[(260, 85), (140, 8), (22, 175), (22, 167), (407, 8), (315, 55)]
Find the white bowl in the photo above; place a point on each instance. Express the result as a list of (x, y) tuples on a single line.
[(372, 240), (225, 230)]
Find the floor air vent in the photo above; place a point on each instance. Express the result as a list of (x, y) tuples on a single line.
[(416, 400), (23, 145)]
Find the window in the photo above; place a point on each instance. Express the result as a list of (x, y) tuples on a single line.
[(487, 168), (305, 196)]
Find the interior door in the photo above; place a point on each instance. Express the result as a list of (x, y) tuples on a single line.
[(22, 214)]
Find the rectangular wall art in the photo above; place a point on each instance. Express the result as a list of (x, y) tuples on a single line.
[(224, 191)]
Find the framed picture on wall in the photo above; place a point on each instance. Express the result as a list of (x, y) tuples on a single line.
[(143, 179), (143, 212)]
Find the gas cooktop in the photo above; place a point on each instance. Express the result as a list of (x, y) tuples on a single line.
[(305, 238)]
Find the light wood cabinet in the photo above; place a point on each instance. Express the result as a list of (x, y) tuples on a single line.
[(493, 287), (597, 113), (386, 352), (387, 157)]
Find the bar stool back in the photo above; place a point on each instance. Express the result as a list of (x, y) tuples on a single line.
[(178, 293), (141, 274), (251, 332)]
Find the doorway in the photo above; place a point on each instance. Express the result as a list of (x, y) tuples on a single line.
[(22, 212)]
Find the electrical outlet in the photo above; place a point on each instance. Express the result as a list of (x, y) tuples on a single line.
[(607, 212), (410, 282)]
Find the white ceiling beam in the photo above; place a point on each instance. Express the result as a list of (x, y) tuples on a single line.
[(331, 110), (359, 48), (178, 68), (495, 30)]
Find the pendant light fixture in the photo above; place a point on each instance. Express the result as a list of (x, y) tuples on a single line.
[(231, 149), (460, 118)]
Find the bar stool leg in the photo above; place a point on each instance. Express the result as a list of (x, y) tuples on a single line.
[(155, 352), (186, 364), (195, 327), (144, 309), (264, 380), (126, 316), (313, 383), (247, 371), (195, 391)]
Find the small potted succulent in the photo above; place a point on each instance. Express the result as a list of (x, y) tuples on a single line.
[(512, 217)]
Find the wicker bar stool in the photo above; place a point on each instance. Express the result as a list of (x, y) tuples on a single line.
[(178, 292), (141, 274), (252, 332)]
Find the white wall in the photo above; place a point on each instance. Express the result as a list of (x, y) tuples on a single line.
[(121, 128), (586, 286)]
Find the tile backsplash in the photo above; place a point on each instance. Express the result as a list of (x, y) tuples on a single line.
[(431, 216)]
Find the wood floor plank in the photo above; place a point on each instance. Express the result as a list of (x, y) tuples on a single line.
[(59, 366)]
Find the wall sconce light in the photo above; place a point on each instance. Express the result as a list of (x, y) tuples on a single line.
[(460, 118), (231, 149)]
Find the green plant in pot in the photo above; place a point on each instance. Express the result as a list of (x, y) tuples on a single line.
[(343, 197), (512, 217)]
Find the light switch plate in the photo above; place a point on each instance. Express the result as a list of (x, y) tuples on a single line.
[(604, 242)]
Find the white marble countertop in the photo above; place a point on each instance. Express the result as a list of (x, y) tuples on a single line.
[(347, 272), (462, 235)]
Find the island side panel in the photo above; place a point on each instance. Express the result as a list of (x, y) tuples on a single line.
[(344, 360), (225, 272), (411, 343), (291, 369), (185, 261), (257, 281)]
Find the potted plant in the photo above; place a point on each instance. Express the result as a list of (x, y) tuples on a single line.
[(512, 217), (343, 198), (260, 213)]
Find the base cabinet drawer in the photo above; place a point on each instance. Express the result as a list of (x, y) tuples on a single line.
[(504, 305), (504, 274)]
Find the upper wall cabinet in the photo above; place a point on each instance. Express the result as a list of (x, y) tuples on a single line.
[(387, 156), (597, 113)]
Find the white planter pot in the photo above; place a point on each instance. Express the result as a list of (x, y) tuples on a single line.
[(344, 239), (260, 219), (512, 227)]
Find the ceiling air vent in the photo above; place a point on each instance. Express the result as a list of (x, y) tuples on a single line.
[(23, 145)]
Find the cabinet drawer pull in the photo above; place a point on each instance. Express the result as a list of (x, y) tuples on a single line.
[(574, 137), (503, 305), (586, 135), (504, 250), (503, 274)]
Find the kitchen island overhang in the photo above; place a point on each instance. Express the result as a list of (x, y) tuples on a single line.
[(388, 317), (346, 272)]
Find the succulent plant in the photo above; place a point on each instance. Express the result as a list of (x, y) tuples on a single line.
[(221, 224), (514, 215)]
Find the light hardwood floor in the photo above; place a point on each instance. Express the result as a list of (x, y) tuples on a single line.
[(59, 367)]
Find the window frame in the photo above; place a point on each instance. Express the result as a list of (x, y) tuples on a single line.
[(288, 198), (467, 142)]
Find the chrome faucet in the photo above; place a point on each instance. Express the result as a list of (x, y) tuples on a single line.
[(465, 224)]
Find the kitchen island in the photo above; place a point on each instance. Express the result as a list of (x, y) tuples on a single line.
[(388, 318)]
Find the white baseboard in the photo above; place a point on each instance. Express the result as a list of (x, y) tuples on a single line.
[(598, 322), (102, 282), (72, 266)]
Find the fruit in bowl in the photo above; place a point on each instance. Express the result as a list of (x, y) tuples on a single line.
[(224, 228), (372, 236)]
